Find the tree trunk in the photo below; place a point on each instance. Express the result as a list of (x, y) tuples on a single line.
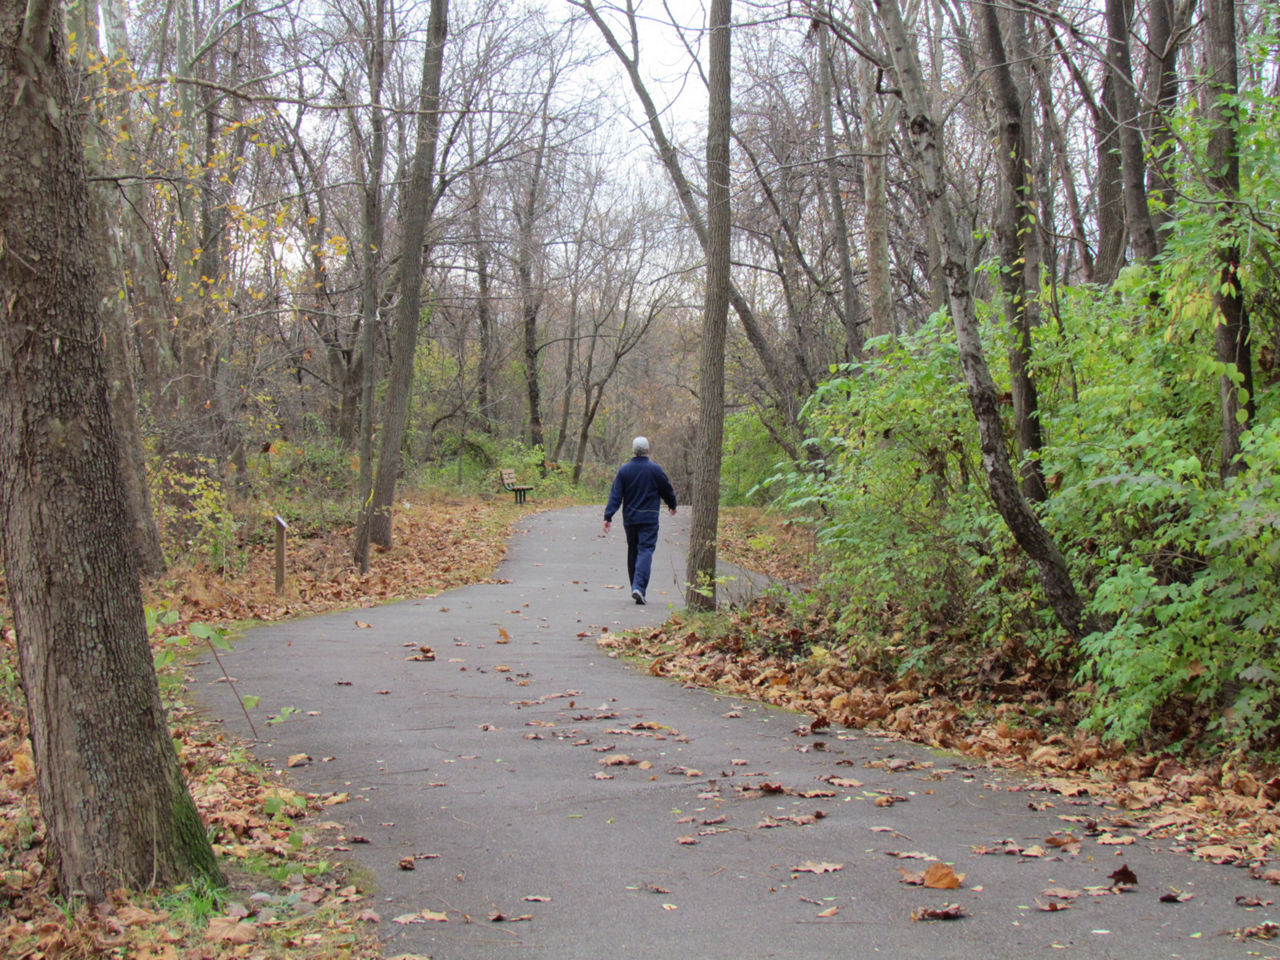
[(851, 306), (1231, 340), (875, 174), (418, 210), (700, 572), (111, 792), (370, 259), (1142, 235), (926, 143), (1017, 231)]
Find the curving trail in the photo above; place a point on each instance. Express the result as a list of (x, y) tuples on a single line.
[(485, 765)]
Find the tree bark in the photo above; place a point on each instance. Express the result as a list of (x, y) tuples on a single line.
[(370, 259), (1231, 338), (1017, 231), (701, 567), (926, 143), (1142, 235), (111, 791), (418, 211)]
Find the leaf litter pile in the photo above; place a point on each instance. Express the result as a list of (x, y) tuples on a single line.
[(1220, 811), (261, 830)]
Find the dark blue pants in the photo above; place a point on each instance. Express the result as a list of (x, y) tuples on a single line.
[(641, 540)]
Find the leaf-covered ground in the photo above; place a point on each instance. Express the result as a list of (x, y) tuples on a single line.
[(286, 899), (1221, 809)]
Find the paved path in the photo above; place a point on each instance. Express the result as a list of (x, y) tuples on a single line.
[(485, 766)]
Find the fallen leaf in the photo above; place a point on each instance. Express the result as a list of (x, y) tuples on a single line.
[(1062, 893), (1176, 897), (829, 912), (230, 930), (362, 625), (1123, 876), (1243, 901), (939, 876), (536, 899), (810, 866), (952, 911), (406, 863), (298, 760), (618, 760), (1052, 906), (1218, 853), (687, 840)]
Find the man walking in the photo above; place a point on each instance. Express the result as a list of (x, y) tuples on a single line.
[(640, 487)]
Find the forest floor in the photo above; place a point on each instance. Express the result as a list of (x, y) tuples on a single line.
[(289, 899)]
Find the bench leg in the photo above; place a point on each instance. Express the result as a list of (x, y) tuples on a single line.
[(520, 496)]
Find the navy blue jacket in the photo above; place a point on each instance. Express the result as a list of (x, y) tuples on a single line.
[(638, 488)]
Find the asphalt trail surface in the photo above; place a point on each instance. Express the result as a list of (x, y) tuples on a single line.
[(486, 766)]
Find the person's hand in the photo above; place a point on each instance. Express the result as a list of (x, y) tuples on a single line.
[(672, 511), (607, 525)]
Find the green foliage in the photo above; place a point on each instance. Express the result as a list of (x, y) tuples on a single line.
[(750, 458), (1181, 570), (193, 512), (1192, 598), (909, 540)]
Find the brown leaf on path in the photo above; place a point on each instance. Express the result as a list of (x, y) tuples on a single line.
[(497, 916), (1218, 853), (914, 878), (654, 888), (406, 863), (368, 916), (1176, 897), (829, 912), (909, 855), (298, 760), (1035, 850), (1111, 840), (503, 636), (601, 775), (811, 866), (1062, 893), (362, 625), (424, 653), (1123, 877), (687, 841), (952, 911), (618, 760), (1263, 931), (845, 783), (1052, 906), (1243, 901), (230, 930), (939, 876)]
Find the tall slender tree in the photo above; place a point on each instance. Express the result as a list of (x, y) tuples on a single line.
[(701, 567)]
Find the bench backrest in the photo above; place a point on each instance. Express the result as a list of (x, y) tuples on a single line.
[(508, 477)]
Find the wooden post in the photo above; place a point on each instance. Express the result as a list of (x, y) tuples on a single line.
[(281, 527)]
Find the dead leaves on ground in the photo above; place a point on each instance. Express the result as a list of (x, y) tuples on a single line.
[(1215, 806)]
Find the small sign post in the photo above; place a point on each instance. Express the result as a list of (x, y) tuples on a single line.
[(281, 527)]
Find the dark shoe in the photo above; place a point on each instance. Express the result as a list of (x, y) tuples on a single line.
[(638, 597)]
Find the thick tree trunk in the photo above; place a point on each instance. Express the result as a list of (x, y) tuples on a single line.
[(1231, 340), (700, 571), (111, 792), (418, 210), (926, 144)]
